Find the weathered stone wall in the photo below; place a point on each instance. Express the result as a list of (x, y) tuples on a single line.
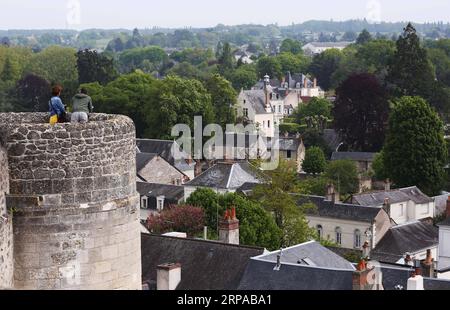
[(76, 220), (6, 233)]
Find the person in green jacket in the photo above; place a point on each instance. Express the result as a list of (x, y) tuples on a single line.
[(82, 106)]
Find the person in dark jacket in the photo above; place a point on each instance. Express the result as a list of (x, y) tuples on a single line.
[(82, 106), (56, 106)]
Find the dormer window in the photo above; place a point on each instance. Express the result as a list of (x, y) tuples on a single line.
[(144, 202)]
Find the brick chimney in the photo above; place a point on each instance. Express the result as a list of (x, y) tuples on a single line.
[(387, 185), (315, 82), (367, 278), (168, 277), (427, 265), (229, 228), (360, 277), (332, 195)]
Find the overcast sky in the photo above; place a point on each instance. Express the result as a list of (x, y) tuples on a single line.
[(61, 14)]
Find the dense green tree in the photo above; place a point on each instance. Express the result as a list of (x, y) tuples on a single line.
[(415, 152), (410, 71), (441, 62), (315, 108), (134, 95), (55, 64), (33, 93), (244, 77), (11, 70), (269, 65), (364, 37), (256, 226), (179, 101), (324, 65), (344, 175), (225, 60), (95, 67), (315, 161), (378, 167), (186, 70), (276, 197), (316, 186), (293, 63), (349, 36), (361, 112), (224, 99), (312, 137), (291, 46), (148, 59), (208, 200)]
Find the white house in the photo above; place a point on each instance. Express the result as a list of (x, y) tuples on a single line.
[(256, 107), (315, 48), (349, 226), (403, 205), (444, 246)]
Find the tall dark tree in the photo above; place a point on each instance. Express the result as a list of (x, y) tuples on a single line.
[(361, 112), (34, 93), (410, 72), (225, 60), (324, 65), (364, 37), (223, 98), (95, 67), (415, 152)]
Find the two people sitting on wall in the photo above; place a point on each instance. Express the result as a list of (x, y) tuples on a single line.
[(81, 103)]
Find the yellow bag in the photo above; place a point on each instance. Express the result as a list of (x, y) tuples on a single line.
[(53, 119)]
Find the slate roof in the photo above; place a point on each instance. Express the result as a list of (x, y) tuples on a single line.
[(328, 209), (171, 192), (257, 98), (162, 148), (289, 144), (446, 222), (247, 188), (394, 196), (205, 265), (411, 237), (308, 266), (398, 276), (260, 275), (331, 138), (354, 156), (228, 176), (142, 159), (291, 79), (311, 254)]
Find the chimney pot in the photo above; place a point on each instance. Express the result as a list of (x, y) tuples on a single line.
[(387, 185), (415, 283), (229, 228), (168, 277)]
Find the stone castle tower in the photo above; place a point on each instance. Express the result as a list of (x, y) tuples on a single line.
[(69, 211)]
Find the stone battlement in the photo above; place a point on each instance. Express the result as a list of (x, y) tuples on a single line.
[(72, 188)]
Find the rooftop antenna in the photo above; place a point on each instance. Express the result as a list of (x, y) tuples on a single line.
[(278, 266)]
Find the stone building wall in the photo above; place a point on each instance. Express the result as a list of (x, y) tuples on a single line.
[(6, 233), (76, 220)]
